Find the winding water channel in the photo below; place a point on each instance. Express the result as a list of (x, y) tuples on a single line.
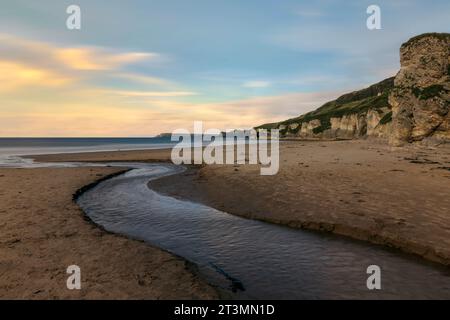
[(255, 259)]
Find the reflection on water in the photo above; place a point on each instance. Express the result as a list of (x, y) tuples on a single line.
[(269, 261)]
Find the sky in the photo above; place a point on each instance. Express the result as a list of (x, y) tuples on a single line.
[(139, 68)]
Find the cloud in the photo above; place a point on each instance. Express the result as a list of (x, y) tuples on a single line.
[(255, 111), (88, 113), (256, 84), (309, 13), (76, 63), (340, 34), (90, 58), (244, 113), (53, 90), (144, 79), (14, 75), (72, 61), (50, 91), (146, 94), (79, 57)]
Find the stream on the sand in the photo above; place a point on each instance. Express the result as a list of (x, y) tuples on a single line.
[(252, 259)]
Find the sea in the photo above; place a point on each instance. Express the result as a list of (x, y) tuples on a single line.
[(12, 148)]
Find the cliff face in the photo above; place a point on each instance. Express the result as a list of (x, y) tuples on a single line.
[(410, 107), (421, 96), (352, 115)]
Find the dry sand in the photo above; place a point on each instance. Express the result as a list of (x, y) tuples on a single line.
[(42, 232)]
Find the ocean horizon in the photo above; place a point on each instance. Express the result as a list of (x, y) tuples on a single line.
[(8, 142), (12, 148)]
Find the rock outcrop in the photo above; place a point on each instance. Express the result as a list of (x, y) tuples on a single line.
[(351, 126), (421, 96), (413, 106)]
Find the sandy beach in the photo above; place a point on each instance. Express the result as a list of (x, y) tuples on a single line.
[(365, 190), (42, 232)]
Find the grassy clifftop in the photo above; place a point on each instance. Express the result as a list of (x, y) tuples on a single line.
[(440, 36), (373, 97)]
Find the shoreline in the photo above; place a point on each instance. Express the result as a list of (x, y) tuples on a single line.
[(190, 266), (144, 155)]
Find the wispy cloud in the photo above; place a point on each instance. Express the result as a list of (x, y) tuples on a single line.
[(15, 75), (256, 84), (147, 94), (88, 113), (49, 89), (143, 79), (91, 58), (309, 13), (244, 113), (268, 109), (74, 62)]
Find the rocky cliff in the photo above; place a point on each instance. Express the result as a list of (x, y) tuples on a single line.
[(410, 107), (421, 96), (356, 114)]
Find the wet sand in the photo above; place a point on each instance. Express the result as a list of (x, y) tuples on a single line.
[(42, 232), (161, 155)]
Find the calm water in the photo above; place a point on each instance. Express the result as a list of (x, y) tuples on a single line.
[(267, 261), (78, 142), (12, 148)]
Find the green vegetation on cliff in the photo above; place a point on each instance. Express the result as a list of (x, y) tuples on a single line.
[(387, 118), (429, 92), (357, 102), (440, 36)]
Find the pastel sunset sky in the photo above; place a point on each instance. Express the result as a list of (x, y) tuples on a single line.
[(138, 68)]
